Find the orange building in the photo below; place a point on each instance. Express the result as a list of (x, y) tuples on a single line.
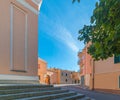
[(18, 40), (46, 76), (75, 77), (54, 76), (42, 70)]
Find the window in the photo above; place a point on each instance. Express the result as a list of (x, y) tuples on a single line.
[(117, 59), (39, 77), (66, 74), (66, 80), (75, 81)]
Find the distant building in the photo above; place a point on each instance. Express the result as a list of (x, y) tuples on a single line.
[(56, 76), (65, 77), (53, 74), (42, 70), (68, 77), (75, 77), (18, 41)]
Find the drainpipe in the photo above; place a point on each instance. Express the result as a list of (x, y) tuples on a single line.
[(93, 75)]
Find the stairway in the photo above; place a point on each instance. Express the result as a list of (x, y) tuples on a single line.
[(37, 92)]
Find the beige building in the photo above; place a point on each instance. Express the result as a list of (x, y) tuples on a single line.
[(68, 77), (107, 74), (18, 40), (65, 77)]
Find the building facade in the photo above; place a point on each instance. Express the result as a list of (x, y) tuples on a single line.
[(100, 75), (65, 77), (42, 70), (18, 40), (85, 62), (54, 76), (68, 77), (75, 77), (107, 74)]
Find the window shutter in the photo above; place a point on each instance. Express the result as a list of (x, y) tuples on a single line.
[(117, 59)]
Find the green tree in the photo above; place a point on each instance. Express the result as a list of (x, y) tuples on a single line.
[(104, 30), (75, 1)]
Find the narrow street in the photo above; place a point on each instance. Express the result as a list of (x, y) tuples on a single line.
[(93, 94)]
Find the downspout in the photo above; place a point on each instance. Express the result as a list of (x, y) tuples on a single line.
[(85, 65), (93, 75)]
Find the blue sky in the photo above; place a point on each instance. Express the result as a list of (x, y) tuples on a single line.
[(59, 22)]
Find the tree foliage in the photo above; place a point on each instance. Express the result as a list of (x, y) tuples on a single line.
[(75, 1), (104, 30)]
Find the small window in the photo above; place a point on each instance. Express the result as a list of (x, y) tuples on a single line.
[(75, 81), (66, 80), (117, 59), (39, 77), (66, 74)]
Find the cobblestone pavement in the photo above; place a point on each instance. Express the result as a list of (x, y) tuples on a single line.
[(93, 94)]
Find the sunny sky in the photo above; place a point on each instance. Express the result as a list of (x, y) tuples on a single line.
[(59, 22)]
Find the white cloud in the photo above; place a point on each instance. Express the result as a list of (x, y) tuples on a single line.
[(67, 38), (59, 32)]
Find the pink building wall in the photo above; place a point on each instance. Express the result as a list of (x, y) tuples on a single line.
[(18, 40), (85, 65)]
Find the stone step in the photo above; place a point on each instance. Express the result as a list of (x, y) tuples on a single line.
[(13, 91), (86, 98), (8, 87), (31, 94), (74, 97), (50, 97), (37, 92)]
